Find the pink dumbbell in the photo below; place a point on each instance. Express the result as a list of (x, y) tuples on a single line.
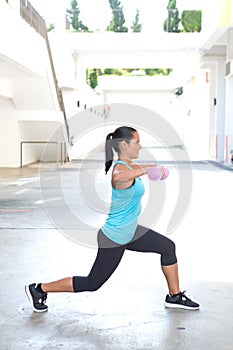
[(166, 173), (156, 173)]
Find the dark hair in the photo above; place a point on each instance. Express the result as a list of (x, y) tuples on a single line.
[(123, 133)]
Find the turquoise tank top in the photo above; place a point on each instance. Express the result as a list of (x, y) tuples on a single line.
[(125, 209)]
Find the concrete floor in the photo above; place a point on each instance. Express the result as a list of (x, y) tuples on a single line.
[(127, 312)]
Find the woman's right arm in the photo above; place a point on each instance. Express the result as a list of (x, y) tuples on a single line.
[(122, 177)]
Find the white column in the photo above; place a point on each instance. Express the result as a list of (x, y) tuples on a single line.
[(212, 110), (220, 110), (229, 95)]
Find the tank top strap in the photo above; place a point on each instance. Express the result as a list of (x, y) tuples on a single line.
[(122, 162)]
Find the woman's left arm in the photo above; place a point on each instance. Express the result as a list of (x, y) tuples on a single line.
[(146, 167)]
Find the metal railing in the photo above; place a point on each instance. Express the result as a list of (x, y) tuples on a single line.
[(32, 17), (59, 154)]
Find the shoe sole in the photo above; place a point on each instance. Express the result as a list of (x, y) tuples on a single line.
[(29, 296), (178, 306)]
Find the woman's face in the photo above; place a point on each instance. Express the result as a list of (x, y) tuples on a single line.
[(131, 150)]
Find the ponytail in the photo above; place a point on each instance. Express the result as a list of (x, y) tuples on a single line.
[(113, 141), (108, 152)]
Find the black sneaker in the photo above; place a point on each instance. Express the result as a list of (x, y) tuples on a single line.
[(36, 299), (180, 301)]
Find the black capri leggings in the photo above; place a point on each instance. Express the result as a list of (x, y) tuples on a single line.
[(109, 256)]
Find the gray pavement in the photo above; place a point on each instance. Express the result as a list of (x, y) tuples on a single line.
[(127, 312)]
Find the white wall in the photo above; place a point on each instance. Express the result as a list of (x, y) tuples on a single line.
[(13, 131), (27, 88), (29, 108), (9, 136), (19, 39)]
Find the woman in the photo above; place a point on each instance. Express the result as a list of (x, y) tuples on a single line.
[(121, 231)]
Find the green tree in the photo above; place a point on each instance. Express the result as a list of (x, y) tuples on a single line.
[(108, 71), (92, 77), (158, 71), (118, 18), (171, 24), (191, 21), (73, 16), (136, 26)]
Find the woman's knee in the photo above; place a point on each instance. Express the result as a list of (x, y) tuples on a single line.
[(169, 256), (85, 284), (94, 285), (171, 246)]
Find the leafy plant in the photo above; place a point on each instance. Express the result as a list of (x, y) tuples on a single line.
[(118, 18), (136, 26), (191, 20), (73, 16)]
